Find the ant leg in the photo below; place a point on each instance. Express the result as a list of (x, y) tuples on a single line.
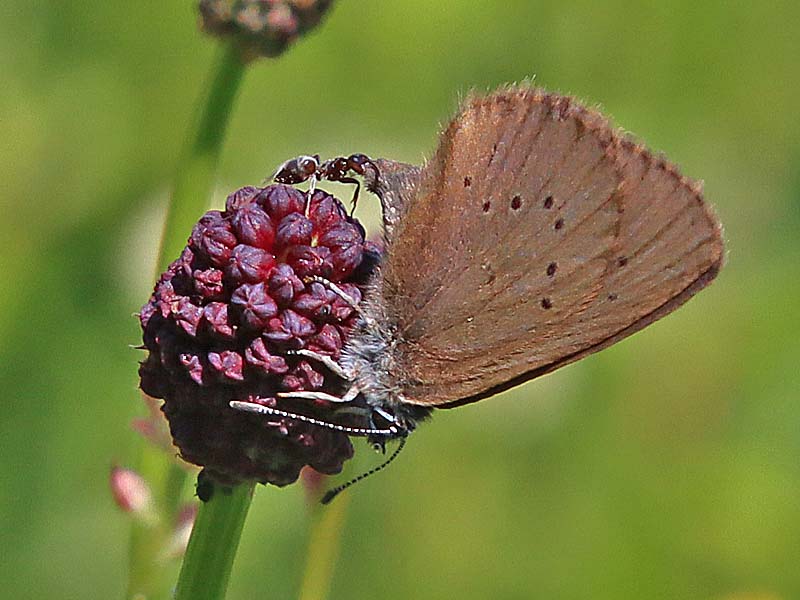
[(327, 361), (354, 200), (312, 186)]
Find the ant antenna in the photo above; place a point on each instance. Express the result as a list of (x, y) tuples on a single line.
[(268, 410), (332, 493)]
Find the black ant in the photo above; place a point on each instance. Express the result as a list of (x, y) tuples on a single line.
[(309, 168)]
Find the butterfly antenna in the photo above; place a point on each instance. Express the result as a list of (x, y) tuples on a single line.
[(332, 493), (268, 410)]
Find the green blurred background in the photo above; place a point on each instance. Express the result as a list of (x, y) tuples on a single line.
[(665, 467)]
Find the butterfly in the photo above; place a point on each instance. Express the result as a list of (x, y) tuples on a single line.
[(536, 235)]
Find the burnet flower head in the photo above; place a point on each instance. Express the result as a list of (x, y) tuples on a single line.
[(225, 322)]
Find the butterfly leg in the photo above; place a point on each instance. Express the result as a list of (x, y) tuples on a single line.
[(386, 415), (327, 361), (349, 300), (379, 445), (349, 396), (361, 411)]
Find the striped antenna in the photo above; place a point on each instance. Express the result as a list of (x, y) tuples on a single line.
[(267, 410), (332, 493)]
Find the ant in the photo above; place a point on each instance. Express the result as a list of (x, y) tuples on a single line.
[(309, 168)]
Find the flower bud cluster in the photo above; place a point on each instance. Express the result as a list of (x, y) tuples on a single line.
[(226, 318), (262, 27)]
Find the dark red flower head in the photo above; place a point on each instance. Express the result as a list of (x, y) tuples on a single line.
[(225, 318)]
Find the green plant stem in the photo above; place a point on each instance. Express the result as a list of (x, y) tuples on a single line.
[(323, 549), (150, 576), (198, 165), (212, 547)]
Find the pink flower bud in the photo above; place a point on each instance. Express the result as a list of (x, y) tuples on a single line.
[(131, 492)]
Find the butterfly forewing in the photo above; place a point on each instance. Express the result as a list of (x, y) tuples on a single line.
[(544, 236)]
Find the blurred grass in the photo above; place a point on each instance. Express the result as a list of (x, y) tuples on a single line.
[(665, 467)]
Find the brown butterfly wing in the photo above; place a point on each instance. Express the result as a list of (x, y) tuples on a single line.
[(537, 236)]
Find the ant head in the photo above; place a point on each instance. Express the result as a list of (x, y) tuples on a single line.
[(357, 162)]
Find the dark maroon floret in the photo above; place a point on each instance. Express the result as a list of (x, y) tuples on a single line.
[(289, 330), (253, 226), (215, 315), (253, 305), (327, 341), (248, 263), (326, 211), (343, 262), (283, 284), (304, 377), (341, 236), (187, 315), (208, 283), (308, 261), (293, 230), (314, 302), (241, 198), (226, 318), (227, 363), (213, 239), (193, 367), (280, 200), (259, 357)]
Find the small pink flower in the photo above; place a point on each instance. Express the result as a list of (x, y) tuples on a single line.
[(131, 492)]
